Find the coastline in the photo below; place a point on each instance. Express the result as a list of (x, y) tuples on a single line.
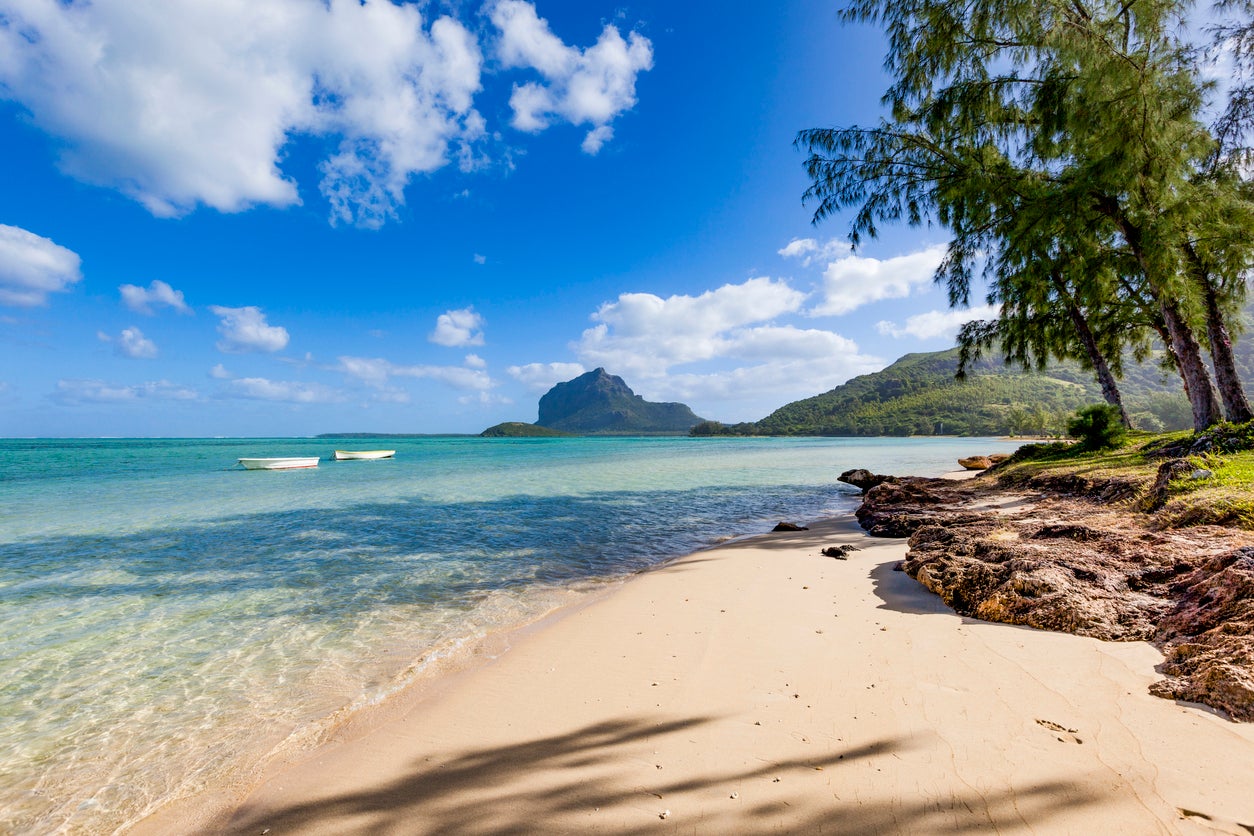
[(758, 686)]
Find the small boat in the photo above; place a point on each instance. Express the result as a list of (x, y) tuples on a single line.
[(349, 455), (283, 463)]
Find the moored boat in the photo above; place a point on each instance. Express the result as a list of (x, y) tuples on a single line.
[(350, 455), (280, 463)]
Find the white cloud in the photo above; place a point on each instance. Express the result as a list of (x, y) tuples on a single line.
[(935, 324), (98, 391), (484, 399), (808, 250), (142, 300), (474, 361), (751, 392), (131, 343), (644, 335), (284, 391), (376, 372), (458, 328), (725, 352), (541, 377), (584, 86), (246, 329), (180, 103), (853, 281), (219, 372), (31, 266), (481, 259), (596, 139)]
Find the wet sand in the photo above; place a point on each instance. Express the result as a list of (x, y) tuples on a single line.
[(762, 688)]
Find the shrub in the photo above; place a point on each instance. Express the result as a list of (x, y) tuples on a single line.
[(1097, 426)]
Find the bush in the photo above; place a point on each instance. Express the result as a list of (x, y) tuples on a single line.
[(1097, 426)]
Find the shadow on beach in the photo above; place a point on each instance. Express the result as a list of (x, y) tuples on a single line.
[(561, 783)]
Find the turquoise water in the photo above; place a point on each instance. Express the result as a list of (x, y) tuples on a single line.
[(167, 620)]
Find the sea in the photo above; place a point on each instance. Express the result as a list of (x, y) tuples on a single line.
[(170, 621)]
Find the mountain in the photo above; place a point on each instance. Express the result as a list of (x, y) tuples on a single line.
[(602, 403), (918, 395)]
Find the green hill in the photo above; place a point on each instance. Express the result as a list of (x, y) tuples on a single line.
[(918, 395), (517, 429)]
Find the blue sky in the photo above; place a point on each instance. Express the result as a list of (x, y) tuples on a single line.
[(294, 217)]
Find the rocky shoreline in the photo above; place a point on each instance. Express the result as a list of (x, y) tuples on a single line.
[(1079, 556)]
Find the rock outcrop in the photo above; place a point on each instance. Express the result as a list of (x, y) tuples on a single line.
[(1067, 560), (863, 479)]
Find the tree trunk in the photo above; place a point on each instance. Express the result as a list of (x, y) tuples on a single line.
[(1188, 354), (1181, 343), (1110, 389), (1236, 405)]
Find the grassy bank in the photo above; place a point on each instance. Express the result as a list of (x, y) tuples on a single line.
[(1180, 478)]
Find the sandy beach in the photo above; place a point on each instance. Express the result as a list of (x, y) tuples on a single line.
[(760, 687)]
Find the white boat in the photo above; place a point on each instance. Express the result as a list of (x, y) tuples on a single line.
[(348, 455), (283, 463)]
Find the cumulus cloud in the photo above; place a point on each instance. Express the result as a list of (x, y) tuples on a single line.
[(582, 86), (71, 392), (750, 392), (245, 329), (31, 266), (131, 343), (643, 334), (219, 372), (853, 281), (376, 372), (935, 324), (541, 377), (809, 251), (474, 361), (283, 391), (725, 352), (596, 139), (458, 328), (143, 300), (181, 103)]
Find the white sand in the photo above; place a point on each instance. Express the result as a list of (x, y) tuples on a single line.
[(762, 688)]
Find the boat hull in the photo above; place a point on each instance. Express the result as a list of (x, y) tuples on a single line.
[(357, 455), (283, 463)]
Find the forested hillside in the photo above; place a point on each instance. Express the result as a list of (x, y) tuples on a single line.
[(918, 395)]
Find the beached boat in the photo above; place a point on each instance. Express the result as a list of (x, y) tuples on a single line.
[(349, 455), (281, 463)]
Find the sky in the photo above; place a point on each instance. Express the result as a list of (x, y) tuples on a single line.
[(291, 217)]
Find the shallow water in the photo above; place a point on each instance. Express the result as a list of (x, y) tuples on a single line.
[(167, 618)]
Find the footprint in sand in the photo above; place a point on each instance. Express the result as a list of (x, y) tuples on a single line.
[(1060, 729)]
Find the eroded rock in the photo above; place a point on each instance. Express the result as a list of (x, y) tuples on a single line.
[(1074, 560), (864, 479)]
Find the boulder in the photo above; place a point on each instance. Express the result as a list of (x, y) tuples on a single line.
[(787, 526), (864, 479), (976, 463)]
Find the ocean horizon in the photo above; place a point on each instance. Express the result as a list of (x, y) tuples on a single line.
[(168, 621)]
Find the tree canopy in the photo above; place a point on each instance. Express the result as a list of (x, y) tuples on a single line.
[(1063, 146)]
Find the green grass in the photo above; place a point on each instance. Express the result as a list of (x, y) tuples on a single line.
[(1226, 498)]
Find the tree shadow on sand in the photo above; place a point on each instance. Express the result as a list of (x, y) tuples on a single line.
[(562, 782)]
